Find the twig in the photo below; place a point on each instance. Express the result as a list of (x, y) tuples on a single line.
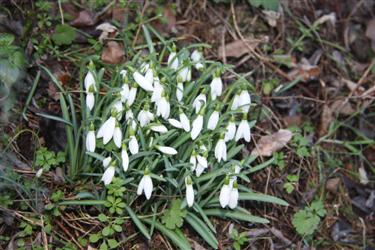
[(141, 23), (61, 11)]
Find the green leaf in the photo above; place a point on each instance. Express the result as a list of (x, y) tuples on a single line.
[(202, 230), (94, 238), (64, 34), (250, 196), (102, 218), (106, 231), (235, 214), (112, 243), (138, 223), (117, 228), (103, 246), (6, 39), (305, 223), (173, 217), (267, 4)]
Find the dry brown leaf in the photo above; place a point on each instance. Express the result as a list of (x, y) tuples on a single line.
[(333, 184), (342, 107), (269, 144), (305, 71), (325, 120), (108, 31), (113, 53), (84, 18), (238, 48)]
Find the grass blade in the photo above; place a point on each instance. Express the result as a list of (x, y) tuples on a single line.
[(138, 223), (251, 196), (202, 230), (83, 203), (235, 214), (31, 94)]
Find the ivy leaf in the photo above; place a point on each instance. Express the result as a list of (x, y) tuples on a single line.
[(64, 34), (174, 216), (305, 223)]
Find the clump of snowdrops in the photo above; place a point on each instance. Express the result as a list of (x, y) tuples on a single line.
[(169, 125)]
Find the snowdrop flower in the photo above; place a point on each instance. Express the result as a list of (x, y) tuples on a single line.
[(129, 113), (109, 173), (185, 123), (160, 128), (145, 185), (221, 149), (193, 160), (119, 108), (117, 135), (132, 95), (124, 93), (163, 107), (149, 76), (133, 143), (197, 59), (90, 99), (180, 91), (199, 101), (106, 161), (144, 67), (124, 158), (90, 79), (243, 130), (107, 129), (244, 101), (173, 59), (123, 73), (213, 120), (233, 196), (184, 74), (216, 87), (189, 191), (202, 164), (175, 123), (145, 116), (235, 102), (225, 193), (230, 130), (197, 125), (166, 150), (90, 139), (142, 81), (158, 90)]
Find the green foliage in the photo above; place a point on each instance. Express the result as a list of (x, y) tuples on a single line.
[(290, 184), (174, 216), (115, 205), (5, 200), (105, 236), (300, 142), (26, 229), (116, 188), (307, 220), (47, 159), (279, 159), (64, 34), (239, 239), (266, 4)]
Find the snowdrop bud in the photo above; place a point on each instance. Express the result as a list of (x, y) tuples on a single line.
[(158, 90), (199, 101), (197, 59), (159, 128), (145, 116), (237, 169), (133, 143), (90, 139), (185, 123), (149, 76), (233, 196), (124, 92), (244, 101), (175, 123), (173, 60), (185, 73), (180, 91), (129, 113), (230, 130), (90, 100), (142, 81), (124, 158), (225, 193), (202, 164), (145, 185), (107, 129), (213, 120), (167, 150), (197, 125), (107, 161), (189, 191), (39, 173), (119, 108), (117, 135), (216, 87), (89, 81), (235, 102), (243, 130), (108, 174), (163, 107), (193, 160), (132, 95), (221, 149)]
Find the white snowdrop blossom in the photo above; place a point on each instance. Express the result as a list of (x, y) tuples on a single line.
[(119, 108), (143, 82), (185, 123), (106, 161), (90, 100), (244, 101), (180, 91), (213, 120), (230, 130), (107, 130), (145, 116), (243, 130), (175, 123), (145, 185), (158, 91), (124, 158), (225, 191), (197, 126), (124, 93), (160, 128), (91, 139), (193, 160), (129, 114), (197, 59), (184, 74), (202, 164), (173, 60), (133, 145), (163, 107), (167, 150), (117, 135), (199, 101), (39, 173), (233, 196), (216, 87), (132, 95), (89, 81), (221, 150), (108, 175), (189, 191), (235, 102)]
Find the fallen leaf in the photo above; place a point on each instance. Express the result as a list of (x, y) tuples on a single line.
[(167, 23), (84, 18), (325, 120), (333, 184), (305, 71), (108, 31), (113, 53), (269, 144), (238, 48), (342, 107)]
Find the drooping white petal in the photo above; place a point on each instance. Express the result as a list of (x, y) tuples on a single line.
[(141, 186), (185, 74), (243, 131), (197, 127), (213, 120), (124, 92), (147, 188), (108, 175), (244, 101), (230, 132), (199, 101), (90, 141), (131, 96), (193, 161), (197, 59), (145, 117), (199, 170), (159, 128), (117, 136), (89, 81), (221, 150), (180, 91), (90, 100), (149, 76), (158, 90), (133, 145), (175, 123), (173, 61), (224, 195), (109, 129), (167, 150), (185, 122), (189, 192), (142, 81), (39, 173), (129, 115), (236, 102), (118, 106), (124, 159), (202, 161), (123, 73), (233, 198), (107, 161), (163, 108), (216, 87)]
